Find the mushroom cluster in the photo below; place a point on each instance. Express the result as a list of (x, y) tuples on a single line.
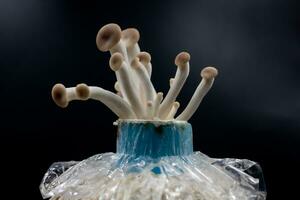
[(135, 96)]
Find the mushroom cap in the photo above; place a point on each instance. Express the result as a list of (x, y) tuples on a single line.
[(144, 57), (182, 58), (209, 72), (59, 95), (176, 104), (135, 62), (116, 61), (117, 86), (83, 91), (160, 94), (108, 36), (159, 97), (131, 36)]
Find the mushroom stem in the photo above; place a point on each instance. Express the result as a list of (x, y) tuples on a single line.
[(149, 68), (145, 59), (115, 62), (119, 94), (71, 94), (208, 74), (130, 38), (133, 51), (141, 72), (128, 89), (149, 110), (171, 81), (182, 61), (62, 96), (173, 110), (114, 102), (156, 103), (56, 198)]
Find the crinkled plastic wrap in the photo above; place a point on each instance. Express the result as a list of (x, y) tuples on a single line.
[(154, 161)]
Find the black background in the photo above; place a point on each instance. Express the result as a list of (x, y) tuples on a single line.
[(251, 112)]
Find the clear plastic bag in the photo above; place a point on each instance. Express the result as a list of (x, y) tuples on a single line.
[(154, 161)]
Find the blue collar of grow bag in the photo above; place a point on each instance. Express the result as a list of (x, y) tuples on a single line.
[(154, 139)]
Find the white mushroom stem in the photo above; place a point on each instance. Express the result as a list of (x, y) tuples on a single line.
[(171, 81), (130, 38), (156, 103), (56, 198), (133, 51), (114, 102), (208, 74), (115, 62), (149, 110), (145, 59), (173, 111), (182, 61), (128, 89), (141, 93), (119, 94), (71, 94), (141, 72), (149, 68)]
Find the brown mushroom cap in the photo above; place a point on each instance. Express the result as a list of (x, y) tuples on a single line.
[(117, 86), (59, 95), (144, 57), (182, 58), (136, 62), (131, 36), (116, 61), (83, 91), (209, 72), (108, 36), (176, 104)]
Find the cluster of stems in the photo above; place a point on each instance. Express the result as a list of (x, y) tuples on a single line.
[(135, 96)]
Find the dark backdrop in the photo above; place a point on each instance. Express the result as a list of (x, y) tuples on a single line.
[(251, 112)]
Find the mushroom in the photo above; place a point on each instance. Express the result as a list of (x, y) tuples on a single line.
[(128, 89), (130, 38), (183, 68), (208, 76), (62, 96), (145, 58), (135, 96), (146, 84), (173, 110), (156, 103), (109, 39)]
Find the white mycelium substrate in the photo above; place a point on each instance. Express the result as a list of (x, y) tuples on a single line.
[(196, 177)]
